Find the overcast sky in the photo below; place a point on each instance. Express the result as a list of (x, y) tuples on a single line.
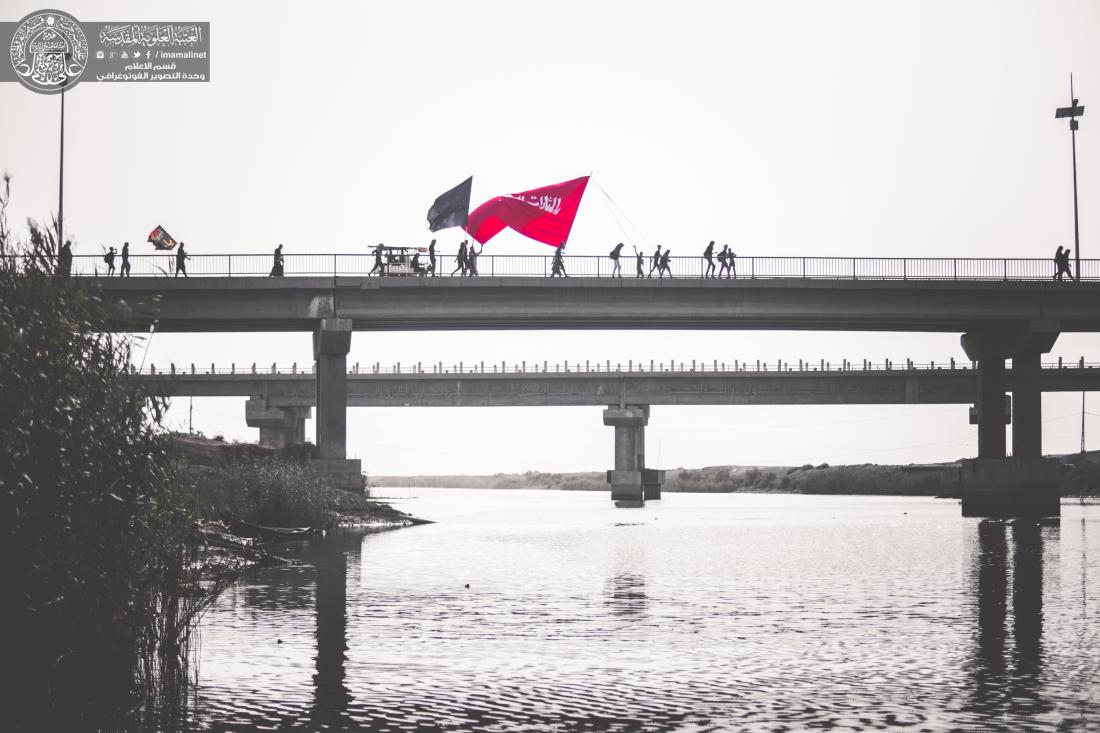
[(782, 128)]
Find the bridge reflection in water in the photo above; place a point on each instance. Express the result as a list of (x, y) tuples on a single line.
[(1006, 677), (1003, 671)]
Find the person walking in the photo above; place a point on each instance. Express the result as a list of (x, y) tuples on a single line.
[(431, 258), (708, 255), (277, 264), (471, 259), (665, 264), (557, 267), (640, 265), (655, 262), (124, 269), (460, 260), (731, 258), (723, 261), (1061, 264), (379, 265), (181, 261), (65, 258), (616, 268), (109, 258)]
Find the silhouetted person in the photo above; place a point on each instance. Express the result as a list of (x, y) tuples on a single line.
[(731, 257), (431, 258), (460, 260), (124, 269), (708, 255), (1061, 262), (723, 261), (65, 258), (655, 262), (109, 258), (557, 267), (616, 269), (471, 259), (181, 261), (665, 264), (417, 268), (379, 265), (640, 263), (277, 262)]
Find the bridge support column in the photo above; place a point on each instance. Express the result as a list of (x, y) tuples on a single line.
[(631, 482), (331, 344), (1025, 484), (991, 400), (279, 426), (1027, 406)]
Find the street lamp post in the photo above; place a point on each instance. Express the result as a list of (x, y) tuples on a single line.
[(1073, 112), (61, 171)]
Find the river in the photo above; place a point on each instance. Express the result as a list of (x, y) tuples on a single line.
[(697, 613)]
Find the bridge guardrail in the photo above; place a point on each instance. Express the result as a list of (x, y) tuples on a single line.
[(604, 367), (590, 266)]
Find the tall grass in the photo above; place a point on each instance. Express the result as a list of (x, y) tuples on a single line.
[(267, 491), (97, 596)]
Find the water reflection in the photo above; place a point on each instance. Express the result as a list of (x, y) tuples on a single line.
[(1006, 679), (626, 596), (330, 556), (776, 624)]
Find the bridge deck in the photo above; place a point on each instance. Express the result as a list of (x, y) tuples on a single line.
[(811, 386), (296, 304)]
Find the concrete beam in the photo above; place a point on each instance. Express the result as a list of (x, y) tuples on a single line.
[(296, 304), (279, 426), (917, 386), (1007, 340)]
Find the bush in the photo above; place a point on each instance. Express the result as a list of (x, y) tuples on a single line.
[(271, 492)]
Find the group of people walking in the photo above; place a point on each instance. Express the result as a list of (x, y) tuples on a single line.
[(1061, 263), (466, 259), (659, 262), (726, 258), (65, 259), (109, 258)]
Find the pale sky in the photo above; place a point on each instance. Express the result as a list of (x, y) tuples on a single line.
[(782, 128)]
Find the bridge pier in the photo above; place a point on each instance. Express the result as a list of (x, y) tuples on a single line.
[(1025, 484), (631, 482), (331, 344), (279, 426)]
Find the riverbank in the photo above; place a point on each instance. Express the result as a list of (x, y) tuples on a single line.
[(1080, 477), (256, 484)]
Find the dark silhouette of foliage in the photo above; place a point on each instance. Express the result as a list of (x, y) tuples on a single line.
[(98, 601)]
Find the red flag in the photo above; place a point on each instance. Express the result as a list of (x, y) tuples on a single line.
[(544, 214)]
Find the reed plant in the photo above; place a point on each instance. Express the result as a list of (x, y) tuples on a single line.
[(97, 545)]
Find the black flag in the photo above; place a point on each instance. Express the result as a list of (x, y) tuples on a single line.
[(451, 209)]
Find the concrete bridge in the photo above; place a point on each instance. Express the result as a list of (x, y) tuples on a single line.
[(280, 401), (1003, 309)]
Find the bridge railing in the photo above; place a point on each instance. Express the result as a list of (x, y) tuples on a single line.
[(585, 266), (602, 367)]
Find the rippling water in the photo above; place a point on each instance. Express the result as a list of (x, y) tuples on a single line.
[(699, 612)]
